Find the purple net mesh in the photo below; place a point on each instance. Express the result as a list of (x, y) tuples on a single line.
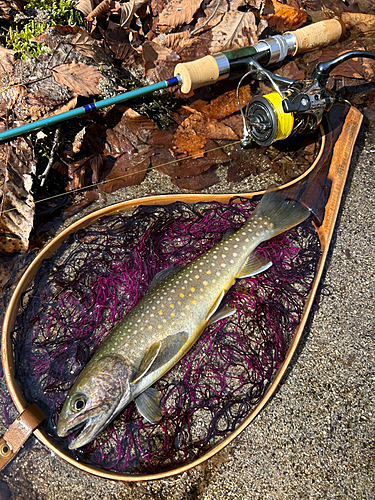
[(101, 272)]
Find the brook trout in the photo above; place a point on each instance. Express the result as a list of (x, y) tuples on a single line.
[(166, 322)]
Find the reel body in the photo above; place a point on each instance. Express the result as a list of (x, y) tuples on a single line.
[(295, 106)]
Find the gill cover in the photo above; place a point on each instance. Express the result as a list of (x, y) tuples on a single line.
[(100, 392)]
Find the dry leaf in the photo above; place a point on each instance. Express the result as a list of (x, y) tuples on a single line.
[(85, 172), (197, 182), (6, 62), (136, 128), (88, 46), (235, 30), (9, 97), (127, 11), (67, 107), (362, 24), (187, 140), (84, 6), (283, 17), (127, 171), (173, 39), (17, 203), (7, 9), (117, 43), (178, 12), (99, 11), (159, 60), (78, 77), (188, 171)]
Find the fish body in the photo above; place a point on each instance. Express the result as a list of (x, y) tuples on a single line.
[(166, 322)]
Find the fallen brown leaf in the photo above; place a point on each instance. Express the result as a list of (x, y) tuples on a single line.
[(236, 29), (361, 24), (88, 46), (197, 182), (127, 171), (6, 62), (11, 96), (84, 6), (118, 43), (187, 140), (136, 128), (159, 59), (85, 172), (283, 17), (182, 168), (178, 12), (16, 199), (67, 107), (78, 77)]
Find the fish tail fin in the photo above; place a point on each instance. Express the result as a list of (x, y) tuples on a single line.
[(283, 213)]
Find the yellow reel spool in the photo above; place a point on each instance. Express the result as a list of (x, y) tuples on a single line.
[(268, 122), (285, 121)]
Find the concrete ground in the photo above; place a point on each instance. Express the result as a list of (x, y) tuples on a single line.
[(315, 439)]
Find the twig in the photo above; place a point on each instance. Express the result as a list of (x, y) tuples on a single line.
[(43, 176), (207, 20)]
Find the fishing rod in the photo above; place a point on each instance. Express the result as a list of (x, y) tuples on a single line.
[(210, 69)]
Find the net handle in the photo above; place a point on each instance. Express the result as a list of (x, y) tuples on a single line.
[(19, 432)]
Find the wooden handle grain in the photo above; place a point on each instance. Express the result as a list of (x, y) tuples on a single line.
[(318, 35)]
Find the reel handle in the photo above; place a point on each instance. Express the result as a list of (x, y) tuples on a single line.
[(210, 69)]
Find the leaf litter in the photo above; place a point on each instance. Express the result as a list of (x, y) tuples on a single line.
[(134, 43)]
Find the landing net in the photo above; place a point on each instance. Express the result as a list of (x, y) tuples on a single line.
[(101, 272)]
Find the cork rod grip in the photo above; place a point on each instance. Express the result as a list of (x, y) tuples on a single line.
[(195, 74), (318, 35)]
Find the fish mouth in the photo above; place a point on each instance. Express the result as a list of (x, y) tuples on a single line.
[(93, 423), (91, 429)]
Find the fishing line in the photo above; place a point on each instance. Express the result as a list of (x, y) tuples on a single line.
[(121, 176)]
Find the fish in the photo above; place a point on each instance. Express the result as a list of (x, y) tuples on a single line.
[(161, 328)]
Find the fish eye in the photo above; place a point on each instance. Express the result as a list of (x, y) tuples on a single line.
[(78, 403)]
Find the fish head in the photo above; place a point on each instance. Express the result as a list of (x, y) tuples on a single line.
[(100, 392)]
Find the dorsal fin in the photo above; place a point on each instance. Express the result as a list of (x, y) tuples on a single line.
[(164, 274)]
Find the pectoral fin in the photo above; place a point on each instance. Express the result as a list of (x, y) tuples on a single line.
[(255, 264), (148, 405), (160, 353), (147, 361)]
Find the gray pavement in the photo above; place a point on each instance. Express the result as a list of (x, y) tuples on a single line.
[(315, 439)]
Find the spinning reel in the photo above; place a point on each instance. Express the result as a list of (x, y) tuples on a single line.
[(294, 107)]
